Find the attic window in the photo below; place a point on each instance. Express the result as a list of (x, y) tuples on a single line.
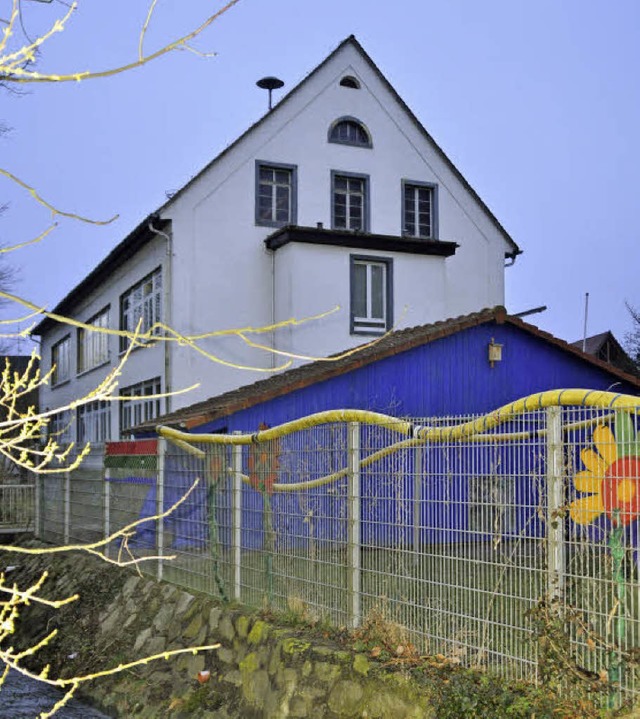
[(349, 131), (350, 81)]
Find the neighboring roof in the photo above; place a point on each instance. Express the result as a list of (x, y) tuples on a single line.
[(133, 242), (592, 345), (392, 344), (606, 347), (140, 235)]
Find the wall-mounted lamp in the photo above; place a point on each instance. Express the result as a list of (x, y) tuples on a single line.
[(495, 352)]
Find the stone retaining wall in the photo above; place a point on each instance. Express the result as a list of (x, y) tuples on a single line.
[(259, 670)]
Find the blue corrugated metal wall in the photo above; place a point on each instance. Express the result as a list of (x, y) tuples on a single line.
[(449, 376)]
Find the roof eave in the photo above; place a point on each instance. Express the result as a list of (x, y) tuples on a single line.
[(124, 250), (213, 409)]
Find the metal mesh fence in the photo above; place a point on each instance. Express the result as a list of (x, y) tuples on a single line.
[(70, 505), (467, 544), (16, 507)]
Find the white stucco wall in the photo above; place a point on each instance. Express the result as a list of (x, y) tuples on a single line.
[(220, 276), (142, 364), (311, 280), (224, 277)]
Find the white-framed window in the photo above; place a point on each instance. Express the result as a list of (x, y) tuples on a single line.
[(349, 131), (276, 190), (94, 422), (61, 360), (419, 210), (142, 301), (93, 345), (350, 201), (371, 294), (142, 406), (60, 428)]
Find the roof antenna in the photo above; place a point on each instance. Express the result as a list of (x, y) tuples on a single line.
[(586, 315), (271, 84)]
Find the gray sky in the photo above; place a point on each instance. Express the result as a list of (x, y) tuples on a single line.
[(537, 103)]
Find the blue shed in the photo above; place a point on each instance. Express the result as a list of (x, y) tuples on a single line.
[(441, 369), (467, 365)]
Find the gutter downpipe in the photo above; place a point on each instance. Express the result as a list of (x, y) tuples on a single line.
[(273, 307), (166, 307)]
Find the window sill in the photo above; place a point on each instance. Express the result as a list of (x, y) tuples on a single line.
[(141, 345), (106, 363), (419, 238), (368, 331), (60, 384), (364, 145), (270, 223)]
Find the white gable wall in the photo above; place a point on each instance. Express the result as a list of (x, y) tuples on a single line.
[(218, 274), (224, 276)]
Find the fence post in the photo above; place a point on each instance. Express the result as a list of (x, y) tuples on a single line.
[(353, 525), (37, 506), (162, 450), (555, 502), (67, 507), (236, 519), (417, 498), (107, 508)]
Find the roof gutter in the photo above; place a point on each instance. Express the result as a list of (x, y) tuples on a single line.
[(512, 257)]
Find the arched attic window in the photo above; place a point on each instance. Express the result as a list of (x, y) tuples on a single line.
[(349, 131), (350, 81)]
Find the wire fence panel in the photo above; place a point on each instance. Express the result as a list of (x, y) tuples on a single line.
[(52, 498), (16, 507), (85, 498), (487, 540)]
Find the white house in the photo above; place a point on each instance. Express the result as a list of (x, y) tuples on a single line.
[(337, 198)]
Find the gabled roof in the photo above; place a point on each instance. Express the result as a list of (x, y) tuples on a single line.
[(351, 40), (606, 347), (392, 344), (593, 344), (141, 236)]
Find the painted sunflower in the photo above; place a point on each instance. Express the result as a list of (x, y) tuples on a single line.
[(612, 478)]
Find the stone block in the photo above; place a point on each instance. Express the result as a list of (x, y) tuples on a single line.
[(345, 698), (214, 618), (326, 672), (259, 632), (226, 656), (255, 687), (361, 664), (155, 645), (242, 626), (141, 639), (193, 628), (226, 629), (233, 677), (185, 600), (163, 618)]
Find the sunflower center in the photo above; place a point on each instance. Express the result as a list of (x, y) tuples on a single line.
[(620, 490)]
